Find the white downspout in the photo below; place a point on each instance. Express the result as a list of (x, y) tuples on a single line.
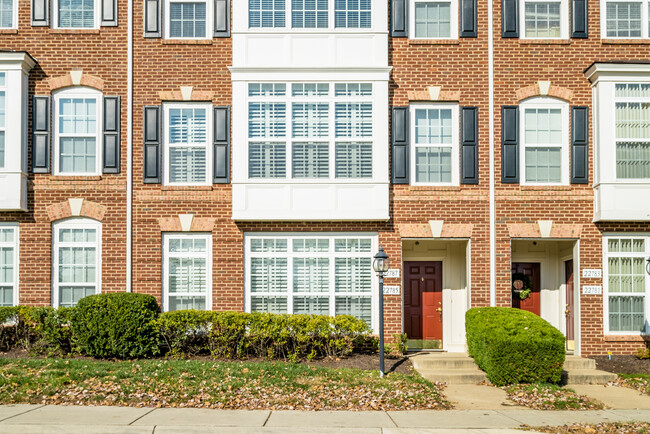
[(129, 150), (491, 152)]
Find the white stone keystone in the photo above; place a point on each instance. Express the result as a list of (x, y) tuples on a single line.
[(186, 221), (75, 206), (544, 87), (545, 227), (436, 227), (186, 92), (434, 93), (76, 77)]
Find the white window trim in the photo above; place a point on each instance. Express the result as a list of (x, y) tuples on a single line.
[(331, 23), (331, 139), (605, 256), (547, 103), (16, 246), (55, 17), (207, 254), (290, 254), (75, 223), (79, 92), (614, 101), (208, 136), (453, 22), (455, 142), (603, 19), (209, 29), (14, 16), (4, 89), (564, 19)]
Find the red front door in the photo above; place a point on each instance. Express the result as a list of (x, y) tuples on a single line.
[(423, 300), (532, 303)]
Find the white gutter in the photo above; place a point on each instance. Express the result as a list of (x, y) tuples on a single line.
[(129, 149), (491, 152)]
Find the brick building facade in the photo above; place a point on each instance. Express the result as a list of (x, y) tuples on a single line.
[(254, 156)]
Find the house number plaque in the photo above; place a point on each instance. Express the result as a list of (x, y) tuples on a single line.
[(592, 273), (592, 289), (393, 272), (391, 290)]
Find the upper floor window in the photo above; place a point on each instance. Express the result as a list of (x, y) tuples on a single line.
[(9, 265), (187, 153), (632, 132), (544, 133), (8, 14), (544, 19), (77, 119), (624, 19), (188, 19), (434, 157), (310, 130), (434, 20), (76, 14), (187, 264), (76, 263), (309, 14), (3, 111)]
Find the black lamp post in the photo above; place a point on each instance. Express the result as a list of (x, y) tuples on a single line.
[(380, 265)]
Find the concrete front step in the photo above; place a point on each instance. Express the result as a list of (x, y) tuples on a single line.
[(587, 376), (454, 376), (448, 362), (577, 362)]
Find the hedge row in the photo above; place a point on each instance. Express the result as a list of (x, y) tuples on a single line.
[(514, 346), (127, 326)]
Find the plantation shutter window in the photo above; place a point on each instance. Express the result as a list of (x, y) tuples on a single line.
[(76, 14), (314, 274), (188, 280), (188, 145), (8, 265), (3, 112), (76, 260), (352, 14), (632, 130), (266, 13), (41, 134), (309, 14)]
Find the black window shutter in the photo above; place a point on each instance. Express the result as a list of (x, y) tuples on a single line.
[(400, 145), (579, 145), (221, 18), (109, 13), (399, 18), (152, 143), (467, 11), (40, 13), (41, 134), (579, 20), (221, 151), (111, 136), (152, 18), (510, 18), (469, 145), (510, 144)]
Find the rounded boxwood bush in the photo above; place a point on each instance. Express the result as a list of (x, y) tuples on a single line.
[(120, 325)]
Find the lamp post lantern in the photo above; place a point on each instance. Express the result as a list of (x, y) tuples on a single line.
[(380, 265)]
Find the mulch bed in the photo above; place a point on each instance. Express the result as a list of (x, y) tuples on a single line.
[(623, 364)]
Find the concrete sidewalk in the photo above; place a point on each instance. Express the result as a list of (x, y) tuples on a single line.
[(112, 420)]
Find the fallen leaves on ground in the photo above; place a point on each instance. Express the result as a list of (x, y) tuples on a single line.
[(600, 428), (550, 397), (641, 384)]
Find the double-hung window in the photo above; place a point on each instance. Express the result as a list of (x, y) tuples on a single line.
[(434, 157), (624, 19), (76, 14), (187, 271), (9, 265), (434, 19), (3, 112), (632, 114), (627, 283), (352, 14), (310, 274), (310, 130), (544, 19), (77, 260), (310, 14), (8, 14), (545, 149), (188, 152), (77, 127), (267, 13), (189, 19)]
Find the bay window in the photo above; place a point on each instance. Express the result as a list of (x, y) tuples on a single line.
[(310, 14), (632, 113), (626, 283), (187, 271), (76, 262), (3, 111), (310, 274), (9, 265)]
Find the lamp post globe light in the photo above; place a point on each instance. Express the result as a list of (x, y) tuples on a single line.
[(380, 265)]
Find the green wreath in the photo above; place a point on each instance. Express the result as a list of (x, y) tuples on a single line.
[(521, 285)]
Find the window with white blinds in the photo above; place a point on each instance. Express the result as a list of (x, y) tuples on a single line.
[(76, 262), (542, 19), (624, 19), (266, 13), (187, 144), (352, 13), (310, 130), (3, 111), (310, 14), (626, 283), (8, 265), (187, 19), (632, 115), (7, 13), (77, 130), (435, 151), (187, 262), (77, 14), (310, 274)]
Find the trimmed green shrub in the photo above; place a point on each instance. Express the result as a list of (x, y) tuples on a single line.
[(49, 329), (514, 346), (120, 325), (12, 329), (185, 332)]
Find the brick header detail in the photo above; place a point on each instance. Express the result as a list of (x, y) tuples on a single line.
[(67, 81), (173, 224), (424, 230), (177, 95), (88, 209), (553, 91), (532, 230), (425, 95)]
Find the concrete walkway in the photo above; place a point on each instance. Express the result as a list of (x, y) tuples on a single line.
[(48, 419)]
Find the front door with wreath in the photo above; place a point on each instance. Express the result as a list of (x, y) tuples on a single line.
[(526, 286)]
